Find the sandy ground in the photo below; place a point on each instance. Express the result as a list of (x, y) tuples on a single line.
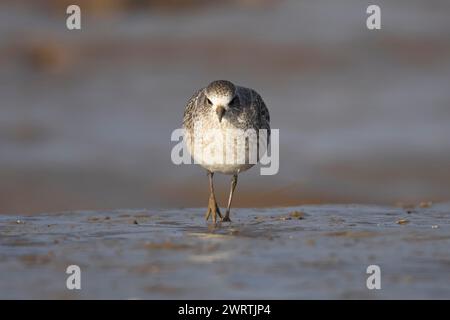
[(302, 252)]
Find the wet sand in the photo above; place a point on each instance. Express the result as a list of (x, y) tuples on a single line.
[(292, 253)]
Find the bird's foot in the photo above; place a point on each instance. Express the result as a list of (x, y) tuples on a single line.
[(213, 209), (226, 218)]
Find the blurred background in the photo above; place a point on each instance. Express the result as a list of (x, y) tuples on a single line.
[(86, 116)]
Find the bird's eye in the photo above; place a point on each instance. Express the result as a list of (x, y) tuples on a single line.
[(209, 101), (233, 101)]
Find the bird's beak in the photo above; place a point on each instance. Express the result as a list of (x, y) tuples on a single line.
[(220, 112)]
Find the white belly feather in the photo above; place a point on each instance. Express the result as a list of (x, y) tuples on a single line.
[(221, 147)]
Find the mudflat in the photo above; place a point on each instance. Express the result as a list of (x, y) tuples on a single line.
[(319, 251)]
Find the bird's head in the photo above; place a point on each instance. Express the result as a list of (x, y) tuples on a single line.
[(220, 96)]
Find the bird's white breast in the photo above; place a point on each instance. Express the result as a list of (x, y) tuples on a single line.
[(219, 146)]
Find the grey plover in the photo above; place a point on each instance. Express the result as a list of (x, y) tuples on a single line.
[(214, 119)]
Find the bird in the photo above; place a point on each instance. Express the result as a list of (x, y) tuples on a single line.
[(210, 115)]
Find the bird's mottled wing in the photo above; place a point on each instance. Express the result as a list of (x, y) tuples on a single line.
[(264, 116), (189, 111), (261, 115)]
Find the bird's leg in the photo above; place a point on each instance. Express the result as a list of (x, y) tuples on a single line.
[(213, 208), (230, 198)]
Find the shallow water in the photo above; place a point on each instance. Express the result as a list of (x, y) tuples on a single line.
[(301, 252)]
